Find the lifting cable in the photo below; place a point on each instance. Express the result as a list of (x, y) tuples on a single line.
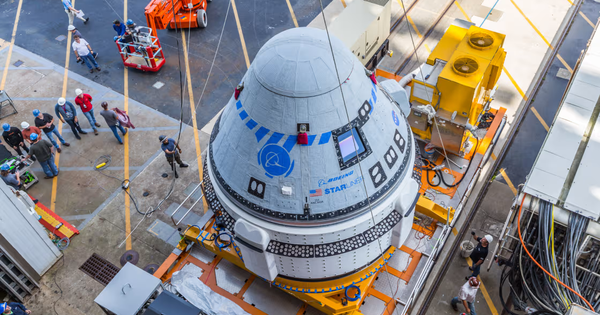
[(354, 142)]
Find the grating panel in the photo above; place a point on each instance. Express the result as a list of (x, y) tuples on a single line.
[(99, 268)]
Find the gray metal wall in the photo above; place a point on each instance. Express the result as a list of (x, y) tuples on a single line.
[(23, 237)]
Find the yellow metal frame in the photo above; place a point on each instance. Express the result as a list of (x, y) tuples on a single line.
[(433, 210), (326, 296)]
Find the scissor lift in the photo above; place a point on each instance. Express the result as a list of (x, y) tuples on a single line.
[(144, 52)]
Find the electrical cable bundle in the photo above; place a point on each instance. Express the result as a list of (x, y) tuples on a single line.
[(544, 274)]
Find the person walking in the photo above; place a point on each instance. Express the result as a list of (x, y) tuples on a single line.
[(172, 152), (72, 12), (85, 103), (84, 52), (42, 150), (46, 123), (28, 130), (479, 253), (65, 111), (14, 138), (112, 120), (467, 295), (10, 179)]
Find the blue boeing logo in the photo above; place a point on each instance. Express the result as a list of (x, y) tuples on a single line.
[(275, 160)]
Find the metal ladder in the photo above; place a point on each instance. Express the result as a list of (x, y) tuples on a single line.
[(13, 279)]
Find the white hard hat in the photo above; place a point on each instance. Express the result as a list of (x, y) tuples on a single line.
[(489, 238), (71, 27), (78, 92), (61, 101), (24, 125)]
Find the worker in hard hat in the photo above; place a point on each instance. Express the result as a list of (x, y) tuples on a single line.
[(172, 151), (9, 178), (42, 150), (14, 138), (467, 295), (74, 31), (66, 112), (479, 253), (28, 130), (14, 309), (45, 122), (85, 103)]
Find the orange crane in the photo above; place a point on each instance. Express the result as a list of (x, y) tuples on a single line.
[(162, 14)]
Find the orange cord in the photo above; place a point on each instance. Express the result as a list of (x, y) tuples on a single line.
[(527, 251)]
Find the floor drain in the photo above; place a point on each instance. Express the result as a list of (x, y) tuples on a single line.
[(99, 269), (146, 194), (165, 175), (18, 63)]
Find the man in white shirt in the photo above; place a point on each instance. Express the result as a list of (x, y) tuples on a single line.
[(467, 295), (84, 52)]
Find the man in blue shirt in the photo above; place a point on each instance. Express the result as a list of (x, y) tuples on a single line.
[(119, 28), (172, 151), (65, 111), (14, 309), (72, 13)]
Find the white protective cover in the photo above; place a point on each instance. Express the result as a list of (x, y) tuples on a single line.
[(186, 282)]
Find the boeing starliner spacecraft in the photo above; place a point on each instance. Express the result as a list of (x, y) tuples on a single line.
[(311, 164)]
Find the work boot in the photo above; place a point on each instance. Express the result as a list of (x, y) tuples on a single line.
[(97, 124), (86, 20), (183, 165), (58, 150), (91, 70), (78, 137), (98, 69), (48, 177), (83, 132), (95, 132), (66, 144)]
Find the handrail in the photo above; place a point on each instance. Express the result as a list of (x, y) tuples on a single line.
[(186, 199)]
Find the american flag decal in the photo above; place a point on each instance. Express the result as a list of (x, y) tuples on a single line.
[(316, 193)]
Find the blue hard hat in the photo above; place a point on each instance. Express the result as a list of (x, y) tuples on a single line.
[(36, 112), (2, 308), (33, 137), (4, 167), (129, 22), (6, 127)]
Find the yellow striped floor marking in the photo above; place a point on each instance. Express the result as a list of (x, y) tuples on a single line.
[(10, 47), (484, 291), (586, 19), (128, 245), (193, 108), (343, 3), (542, 36), (239, 27), (59, 124), (462, 10), (414, 26), (539, 117), (494, 157), (292, 13), (515, 84), (399, 2), (571, 2), (417, 31), (454, 231), (508, 181)]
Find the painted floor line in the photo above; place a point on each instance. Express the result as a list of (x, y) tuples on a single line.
[(193, 112), (508, 181), (239, 27), (12, 44), (88, 168), (128, 245), (462, 10), (542, 36), (484, 291), (539, 117), (292, 13), (586, 19)]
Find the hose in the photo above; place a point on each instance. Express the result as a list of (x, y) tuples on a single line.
[(538, 264)]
